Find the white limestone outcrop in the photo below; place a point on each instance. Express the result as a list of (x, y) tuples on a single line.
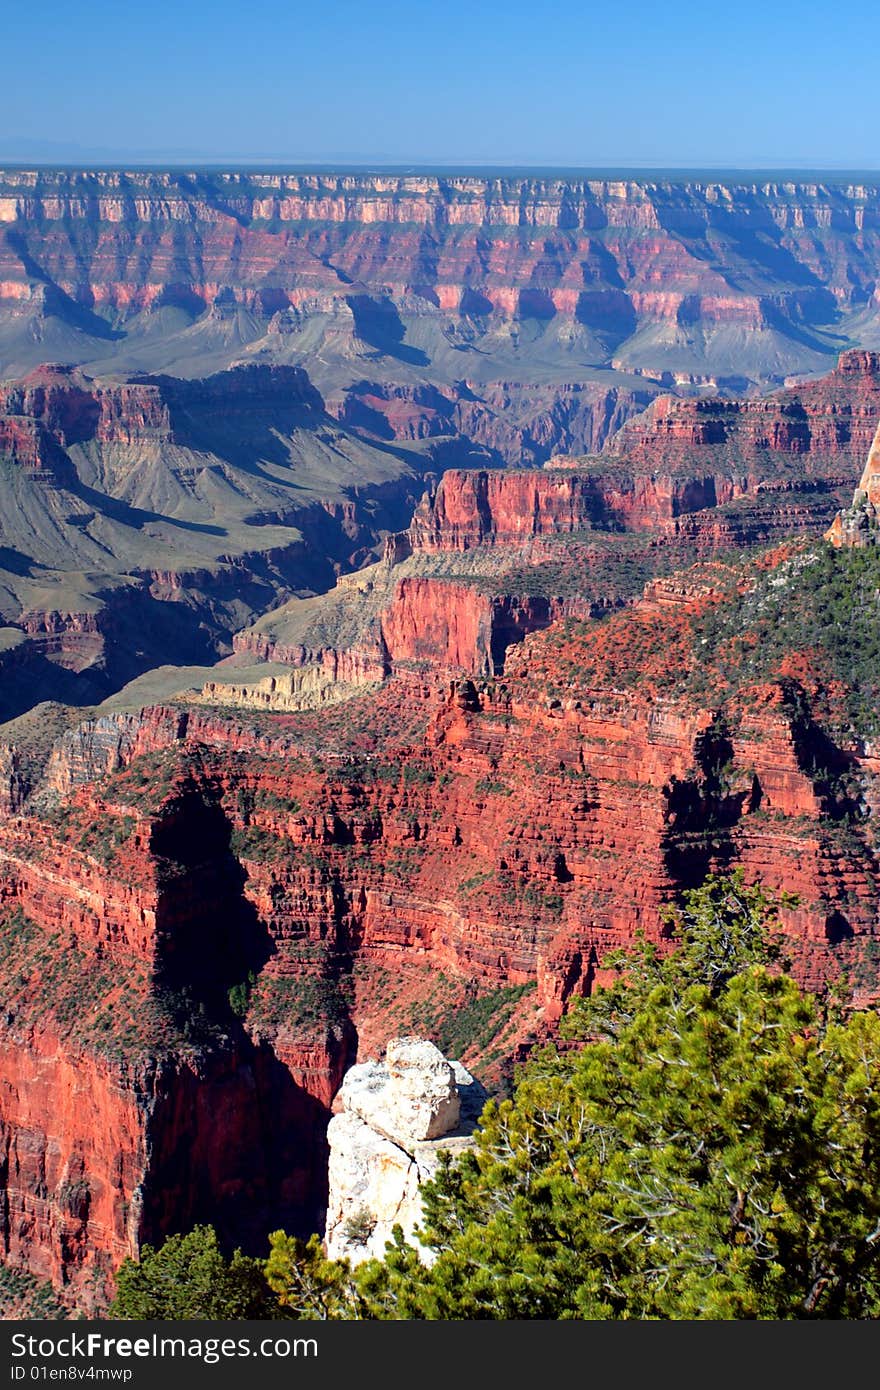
[(397, 1117)]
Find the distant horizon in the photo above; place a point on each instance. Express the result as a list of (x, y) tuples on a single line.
[(493, 85), (236, 164)]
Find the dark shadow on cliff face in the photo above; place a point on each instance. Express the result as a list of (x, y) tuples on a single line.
[(237, 1144), (777, 317), (244, 415), (57, 302), (235, 1141), (209, 935), (837, 928), (512, 621), (136, 517), (33, 678), (474, 304), (609, 313), (137, 633), (701, 811), (742, 240), (16, 562), (377, 323)]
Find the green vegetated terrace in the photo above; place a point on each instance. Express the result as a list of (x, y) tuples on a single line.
[(823, 605), (814, 619)]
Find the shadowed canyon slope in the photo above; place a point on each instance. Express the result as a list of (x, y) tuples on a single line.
[(432, 300), (146, 520), (381, 648)]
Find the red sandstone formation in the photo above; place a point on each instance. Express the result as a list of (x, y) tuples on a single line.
[(72, 409), (108, 916), (784, 462), (517, 511), (472, 509), (803, 431), (427, 621), (869, 484), (498, 832), (456, 627), (679, 457)]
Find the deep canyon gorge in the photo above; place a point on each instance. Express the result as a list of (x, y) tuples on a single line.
[(410, 585)]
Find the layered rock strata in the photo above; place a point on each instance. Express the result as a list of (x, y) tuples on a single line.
[(802, 431), (207, 916), (685, 281)]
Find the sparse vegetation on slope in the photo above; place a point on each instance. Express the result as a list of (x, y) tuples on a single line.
[(708, 1151), (812, 618)]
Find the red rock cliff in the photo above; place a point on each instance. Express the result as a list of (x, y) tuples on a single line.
[(605, 253), (472, 509), (812, 429), (499, 834)]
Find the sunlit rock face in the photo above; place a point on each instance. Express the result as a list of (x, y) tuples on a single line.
[(397, 1118), (859, 524)]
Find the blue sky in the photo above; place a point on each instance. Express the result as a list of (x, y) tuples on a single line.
[(554, 82)]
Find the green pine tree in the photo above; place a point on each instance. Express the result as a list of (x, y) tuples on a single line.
[(188, 1278), (712, 1150)]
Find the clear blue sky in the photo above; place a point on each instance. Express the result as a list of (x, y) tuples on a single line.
[(552, 82)]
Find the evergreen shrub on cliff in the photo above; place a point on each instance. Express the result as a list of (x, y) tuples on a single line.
[(712, 1151), (823, 604), (188, 1278), (706, 1146)]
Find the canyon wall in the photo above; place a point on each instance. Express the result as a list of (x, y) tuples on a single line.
[(509, 509), (515, 316), (859, 524), (612, 256), (133, 1099), (211, 908), (229, 910), (675, 458), (798, 431)]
